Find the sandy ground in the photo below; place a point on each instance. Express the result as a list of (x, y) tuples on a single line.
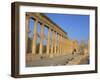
[(33, 61)]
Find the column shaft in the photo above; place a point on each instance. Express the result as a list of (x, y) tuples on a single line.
[(59, 44), (41, 38), (34, 37), (63, 46), (58, 47), (48, 42), (66, 46), (52, 43), (55, 43), (65, 42)]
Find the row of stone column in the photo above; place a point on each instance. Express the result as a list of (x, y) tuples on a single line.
[(57, 41)]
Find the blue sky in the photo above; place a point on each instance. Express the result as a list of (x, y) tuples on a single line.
[(76, 26)]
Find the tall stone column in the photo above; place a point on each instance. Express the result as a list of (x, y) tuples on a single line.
[(61, 44), (27, 30), (34, 37), (48, 42), (41, 38), (65, 45), (58, 43), (52, 44), (55, 43)]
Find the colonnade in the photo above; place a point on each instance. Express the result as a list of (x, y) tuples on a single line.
[(55, 43)]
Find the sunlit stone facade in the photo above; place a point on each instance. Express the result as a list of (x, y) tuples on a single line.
[(57, 40)]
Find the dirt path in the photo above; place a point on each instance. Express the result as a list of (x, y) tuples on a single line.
[(58, 60)]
